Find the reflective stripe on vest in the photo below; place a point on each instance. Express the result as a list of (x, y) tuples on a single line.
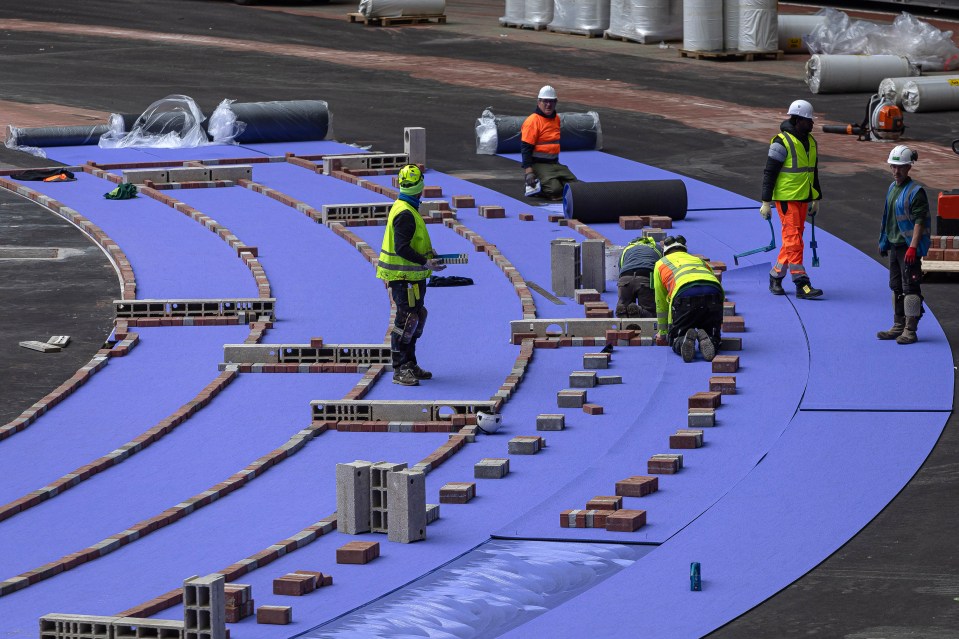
[(391, 266), (543, 133), (674, 273), (798, 174)]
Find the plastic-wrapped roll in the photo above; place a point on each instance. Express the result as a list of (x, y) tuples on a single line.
[(400, 8), (501, 133), (122, 122), (892, 88), (702, 25), (852, 73), (538, 13), (794, 28), (731, 24), (594, 202), (758, 27), (280, 121), (515, 12), (55, 135), (942, 95), (581, 15), (647, 21)]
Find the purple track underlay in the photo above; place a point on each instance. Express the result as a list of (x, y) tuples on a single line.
[(803, 456)]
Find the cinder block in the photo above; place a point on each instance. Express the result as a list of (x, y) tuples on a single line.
[(358, 552), (457, 492), (582, 379), (710, 399), (294, 585), (699, 417), (592, 409), (570, 398), (637, 486), (491, 468), (595, 361), (605, 502), (188, 174), (414, 144), (525, 445), (625, 520), (593, 255), (551, 421), (353, 497), (432, 513), (277, 615), (726, 363), (583, 518), (724, 384), (583, 295), (406, 498), (564, 266), (140, 176), (204, 605), (232, 172), (686, 439)]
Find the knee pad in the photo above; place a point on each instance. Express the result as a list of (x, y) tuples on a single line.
[(405, 325), (633, 310), (913, 305)]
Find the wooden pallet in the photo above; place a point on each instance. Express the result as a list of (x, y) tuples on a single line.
[(939, 266), (388, 22), (589, 33), (522, 25), (732, 54)]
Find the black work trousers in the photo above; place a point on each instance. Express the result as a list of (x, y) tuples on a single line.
[(697, 311), (409, 321), (904, 279)]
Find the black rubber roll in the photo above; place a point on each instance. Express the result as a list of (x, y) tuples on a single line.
[(577, 132), (591, 202), (59, 135), (288, 121)]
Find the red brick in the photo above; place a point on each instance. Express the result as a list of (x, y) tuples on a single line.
[(492, 212), (464, 202), (660, 222), (278, 615), (432, 192), (662, 466), (951, 255), (724, 384), (934, 255), (583, 518), (711, 399), (626, 520), (637, 486), (457, 492), (734, 324), (526, 217), (234, 614), (726, 363), (685, 440), (555, 217), (592, 409), (632, 222), (294, 584), (358, 552), (605, 502)]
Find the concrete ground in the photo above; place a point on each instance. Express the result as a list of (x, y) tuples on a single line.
[(74, 63)]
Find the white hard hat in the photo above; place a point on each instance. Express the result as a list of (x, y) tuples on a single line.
[(801, 108), (489, 423), (547, 93), (902, 154)]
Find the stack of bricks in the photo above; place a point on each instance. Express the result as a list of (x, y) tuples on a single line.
[(550, 421), (299, 583), (664, 464), (633, 222), (686, 438), (492, 212), (457, 492), (605, 502), (239, 602), (527, 217), (491, 468), (525, 445), (627, 337), (597, 309), (943, 248), (583, 518), (637, 486), (595, 361), (463, 202), (358, 552), (571, 398), (625, 520), (734, 324)]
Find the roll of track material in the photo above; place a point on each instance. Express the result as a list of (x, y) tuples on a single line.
[(792, 29), (852, 73), (592, 202), (731, 25), (702, 25), (942, 95), (577, 132), (892, 88), (400, 8), (515, 12), (280, 121), (56, 135), (758, 25)]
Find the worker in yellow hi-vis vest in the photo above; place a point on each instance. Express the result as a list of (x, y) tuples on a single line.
[(405, 263)]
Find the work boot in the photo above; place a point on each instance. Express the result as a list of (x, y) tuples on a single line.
[(706, 347), (632, 310), (405, 377), (805, 290), (688, 348), (909, 332), (420, 373), (621, 311), (776, 285), (898, 325)]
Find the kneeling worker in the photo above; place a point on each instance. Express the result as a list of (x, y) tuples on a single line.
[(689, 302), (405, 263), (539, 136), (636, 297)]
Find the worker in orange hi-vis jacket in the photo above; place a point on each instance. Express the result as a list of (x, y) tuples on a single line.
[(545, 176)]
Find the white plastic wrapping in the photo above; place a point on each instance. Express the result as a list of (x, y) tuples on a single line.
[(941, 94), (702, 25), (731, 25), (175, 122), (758, 25), (223, 126), (590, 16), (924, 45), (853, 73), (515, 12), (793, 29), (401, 8), (12, 142), (646, 21), (539, 13)]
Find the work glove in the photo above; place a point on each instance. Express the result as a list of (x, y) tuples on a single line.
[(435, 264), (531, 179), (766, 210), (661, 340), (910, 256), (813, 208)]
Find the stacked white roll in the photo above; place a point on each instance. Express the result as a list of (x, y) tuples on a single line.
[(758, 25), (702, 25), (591, 15), (538, 13), (892, 88), (792, 30), (646, 21), (401, 8), (852, 73), (941, 94), (515, 12), (731, 25)]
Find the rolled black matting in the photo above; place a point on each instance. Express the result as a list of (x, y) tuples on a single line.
[(577, 132), (591, 202), (289, 121), (60, 135)]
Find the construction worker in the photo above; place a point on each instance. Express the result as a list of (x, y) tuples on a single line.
[(544, 175), (689, 302), (904, 238), (406, 261), (636, 297), (791, 180)]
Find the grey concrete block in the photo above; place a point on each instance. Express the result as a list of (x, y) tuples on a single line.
[(524, 445), (139, 176), (432, 513), (189, 174), (491, 468), (604, 380), (406, 496), (353, 497), (699, 419), (657, 234), (564, 257), (204, 606), (582, 379), (232, 172), (414, 144), (551, 421), (596, 360), (593, 255), (570, 398)]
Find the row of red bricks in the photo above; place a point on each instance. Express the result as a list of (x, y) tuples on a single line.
[(127, 279), (363, 386), (295, 368), (385, 427), (943, 248)]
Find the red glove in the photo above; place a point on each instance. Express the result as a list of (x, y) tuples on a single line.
[(910, 255)]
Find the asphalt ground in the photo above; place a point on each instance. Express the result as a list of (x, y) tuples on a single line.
[(73, 63)]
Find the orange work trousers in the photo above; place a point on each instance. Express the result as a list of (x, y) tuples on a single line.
[(792, 216)]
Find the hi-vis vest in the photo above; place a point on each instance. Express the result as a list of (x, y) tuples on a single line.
[(673, 273), (902, 207), (393, 267), (543, 133), (796, 178)]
